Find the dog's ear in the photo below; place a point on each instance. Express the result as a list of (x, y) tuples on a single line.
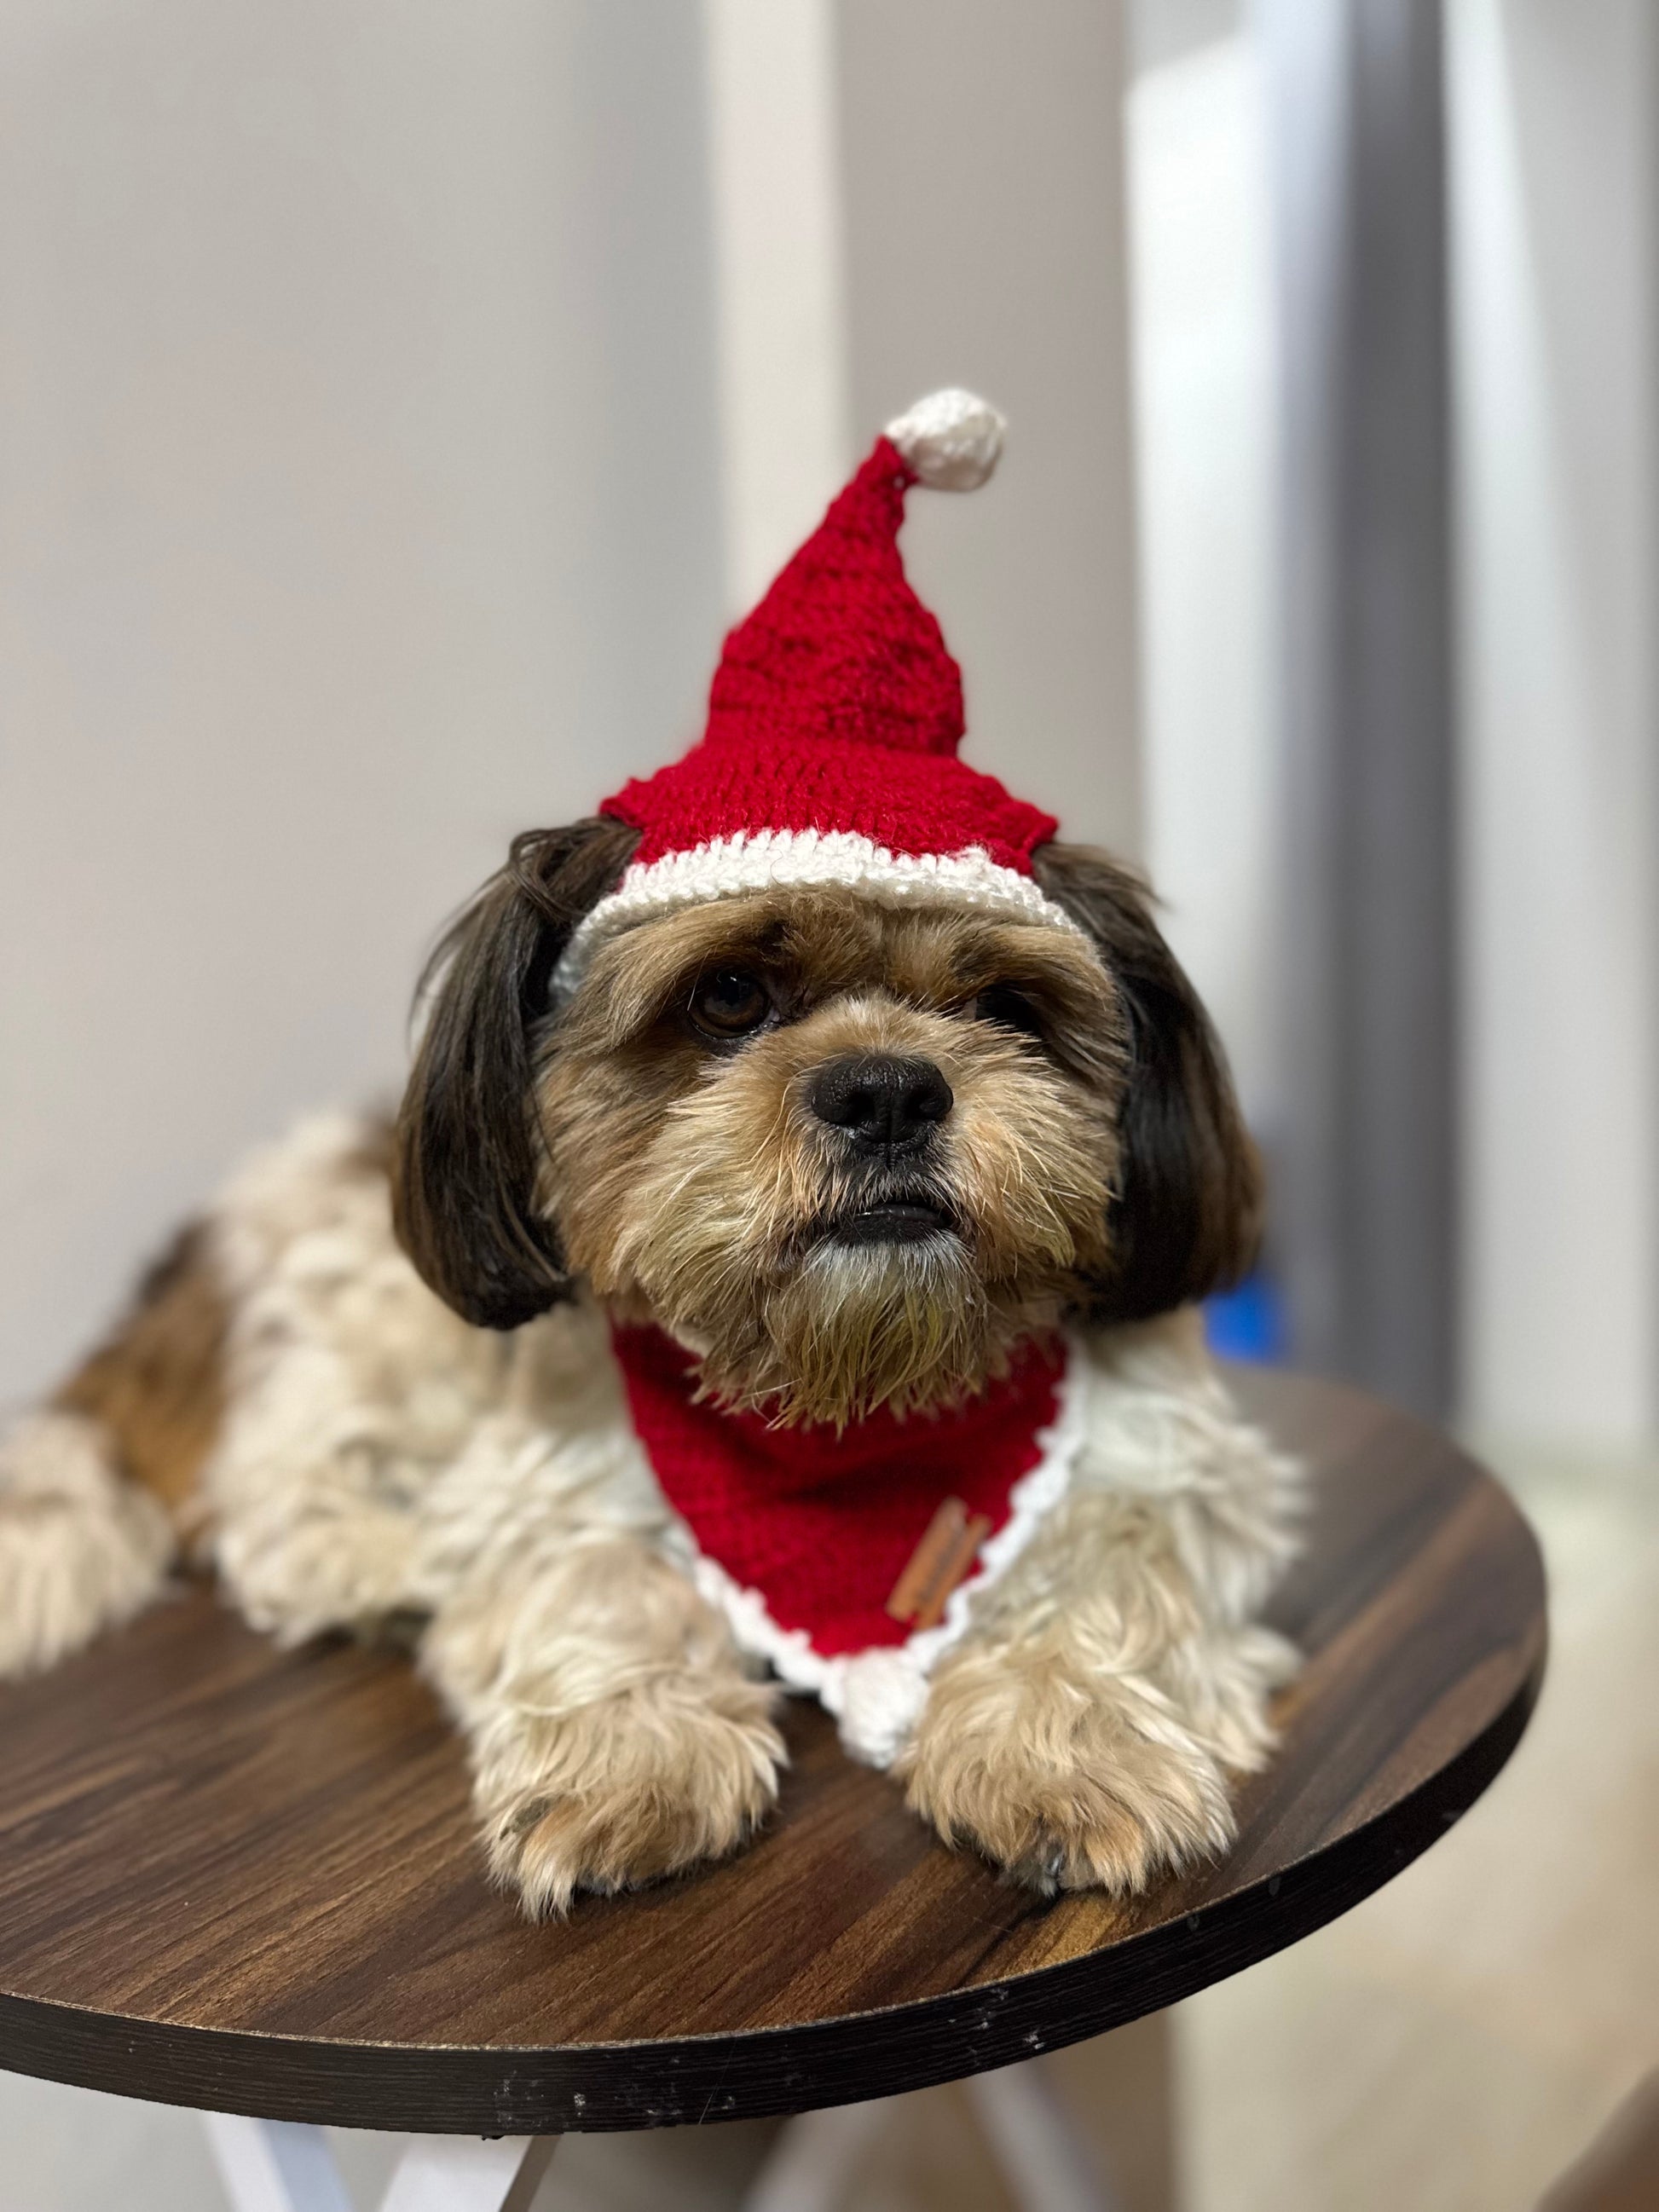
[(1187, 1217), (466, 1158)]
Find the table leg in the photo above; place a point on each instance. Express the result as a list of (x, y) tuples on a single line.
[(809, 2167), (1042, 2157), (280, 2166), (470, 2173), (1038, 2150), (275, 2166)]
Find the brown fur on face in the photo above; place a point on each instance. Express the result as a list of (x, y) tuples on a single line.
[(1102, 1168), (695, 1185)]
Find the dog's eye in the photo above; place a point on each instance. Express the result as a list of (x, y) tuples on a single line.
[(1010, 1009), (730, 1003)]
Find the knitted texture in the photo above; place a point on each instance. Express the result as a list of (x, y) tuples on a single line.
[(820, 1524), (840, 647), (836, 708)]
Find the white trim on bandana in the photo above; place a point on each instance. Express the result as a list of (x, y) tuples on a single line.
[(759, 859), (877, 1695)]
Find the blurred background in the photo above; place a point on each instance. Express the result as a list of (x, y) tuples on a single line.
[(396, 402)]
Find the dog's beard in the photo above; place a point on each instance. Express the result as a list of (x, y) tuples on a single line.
[(808, 1325), (802, 1307), (853, 1327)]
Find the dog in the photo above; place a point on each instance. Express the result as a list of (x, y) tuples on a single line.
[(731, 1224)]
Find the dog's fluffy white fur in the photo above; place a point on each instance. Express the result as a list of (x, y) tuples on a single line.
[(380, 1456), (80, 1547)]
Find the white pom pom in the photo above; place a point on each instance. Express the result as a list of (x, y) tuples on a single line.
[(952, 439)]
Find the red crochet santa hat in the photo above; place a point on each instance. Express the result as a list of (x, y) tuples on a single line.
[(830, 752)]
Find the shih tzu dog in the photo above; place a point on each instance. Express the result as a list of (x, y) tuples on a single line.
[(782, 1273)]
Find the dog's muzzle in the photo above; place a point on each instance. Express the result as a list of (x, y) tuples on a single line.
[(887, 1107)]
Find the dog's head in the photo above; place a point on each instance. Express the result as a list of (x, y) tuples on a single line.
[(852, 1153)]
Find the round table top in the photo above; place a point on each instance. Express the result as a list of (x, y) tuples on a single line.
[(244, 1878)]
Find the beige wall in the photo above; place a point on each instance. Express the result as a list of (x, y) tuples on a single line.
[(361, 507), (984, 225), (787, 433), (1206, 417)]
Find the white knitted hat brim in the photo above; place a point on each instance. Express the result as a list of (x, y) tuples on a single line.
[(767, 859)]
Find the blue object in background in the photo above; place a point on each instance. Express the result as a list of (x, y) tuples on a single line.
[(1246, 1323)]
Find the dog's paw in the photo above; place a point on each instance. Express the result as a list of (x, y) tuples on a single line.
[(1057, 1784), (297, 1577), (626, 1790)]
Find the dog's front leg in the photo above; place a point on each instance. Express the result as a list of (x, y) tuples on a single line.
[(614, 1734), (1083, 1733)]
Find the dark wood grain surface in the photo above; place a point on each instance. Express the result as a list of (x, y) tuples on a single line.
[(243, 1878)]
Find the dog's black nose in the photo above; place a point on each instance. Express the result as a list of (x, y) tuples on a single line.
[(881, 1100)]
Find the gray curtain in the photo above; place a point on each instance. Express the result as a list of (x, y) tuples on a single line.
[(1365, 1157)]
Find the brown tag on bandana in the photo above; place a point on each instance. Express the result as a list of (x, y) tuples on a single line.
[(946, 1552)]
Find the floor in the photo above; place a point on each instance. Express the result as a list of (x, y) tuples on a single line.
[(1452, 2046), (1454, 2043)]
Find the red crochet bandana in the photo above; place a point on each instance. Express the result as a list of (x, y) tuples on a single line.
[(821, 1525)]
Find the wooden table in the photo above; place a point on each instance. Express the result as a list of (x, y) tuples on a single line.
[(244, 1879)]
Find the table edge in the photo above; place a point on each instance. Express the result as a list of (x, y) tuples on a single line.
[(752, 2073)]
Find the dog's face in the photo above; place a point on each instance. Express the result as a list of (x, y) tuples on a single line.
[(852, 1154)]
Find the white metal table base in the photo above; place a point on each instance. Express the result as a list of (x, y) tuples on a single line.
[(282, 2166), (277, 2166), (1033, 2139)]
